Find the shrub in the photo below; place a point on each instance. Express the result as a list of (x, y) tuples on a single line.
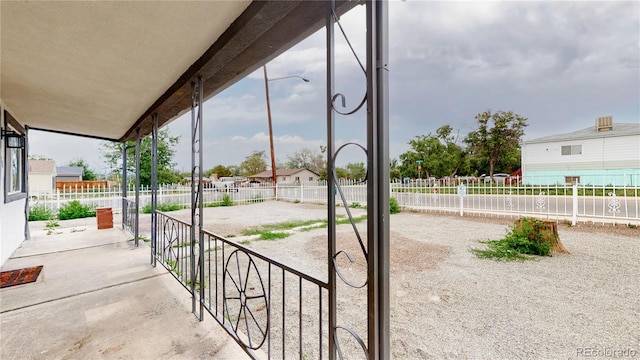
[(75, 210), (394, 208), (40, 212), (520, 241), (227, 200)]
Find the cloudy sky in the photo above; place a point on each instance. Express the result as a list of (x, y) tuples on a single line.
[(560, 64)]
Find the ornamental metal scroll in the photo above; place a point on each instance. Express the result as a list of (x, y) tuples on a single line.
[(613, 203), (540, 201), (340, 95), (355, 336), (351, 221)]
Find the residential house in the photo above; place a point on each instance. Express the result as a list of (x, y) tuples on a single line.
[(69, 173), (604, 154), (42, 176), (296, 176)]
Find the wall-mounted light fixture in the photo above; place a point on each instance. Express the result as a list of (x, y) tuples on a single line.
[(13, 140)]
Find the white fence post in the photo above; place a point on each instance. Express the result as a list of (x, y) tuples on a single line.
[(57, 199), (302, 192), (574, 208)]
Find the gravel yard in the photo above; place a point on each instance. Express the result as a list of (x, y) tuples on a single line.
[(446, 303)]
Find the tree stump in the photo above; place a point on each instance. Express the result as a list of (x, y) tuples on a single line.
[(548, 231)]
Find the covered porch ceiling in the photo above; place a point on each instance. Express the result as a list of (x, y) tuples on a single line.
[(100, 69)]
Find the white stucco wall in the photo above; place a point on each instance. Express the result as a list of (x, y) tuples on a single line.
[(12, 219), (40, 183)]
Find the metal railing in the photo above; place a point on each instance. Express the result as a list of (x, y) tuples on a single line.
[(264, 305), (173, 248), (268, 308), (129, 215)]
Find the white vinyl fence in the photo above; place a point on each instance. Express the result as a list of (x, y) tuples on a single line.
[(561, 202)]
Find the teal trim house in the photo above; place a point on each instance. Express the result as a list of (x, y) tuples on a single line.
[(604, 154)]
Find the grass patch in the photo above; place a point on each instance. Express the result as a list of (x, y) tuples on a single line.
[(301, 225), (270, 236), (356, 205), (165, 207), (244, 242)]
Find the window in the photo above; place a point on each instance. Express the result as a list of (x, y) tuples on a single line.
[(572, 179), (14, 166), (571, 149), (310, 178)]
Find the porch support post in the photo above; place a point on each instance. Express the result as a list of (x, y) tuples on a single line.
[(331, 198), (378, 180), (154, 186), (27, 234), (197, 248), (136, 231), (124, 185)]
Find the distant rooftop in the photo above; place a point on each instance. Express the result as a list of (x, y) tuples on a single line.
[(279, 172), (619, 129), (70, 171), (42, 166)]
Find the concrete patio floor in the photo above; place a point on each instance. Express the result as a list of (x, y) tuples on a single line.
[(98, 297)]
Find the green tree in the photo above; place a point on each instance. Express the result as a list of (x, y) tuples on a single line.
[(305, 159), (87, 173), (394, 169), (112, 153), (39, 157), (356, 171), (220, 171), (342, 173), (497, 137), (253, 164), (441, 155)]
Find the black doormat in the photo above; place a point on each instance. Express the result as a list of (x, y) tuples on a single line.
[(20, 276)]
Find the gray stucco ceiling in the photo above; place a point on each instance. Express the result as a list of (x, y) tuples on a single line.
[(100, 69)]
